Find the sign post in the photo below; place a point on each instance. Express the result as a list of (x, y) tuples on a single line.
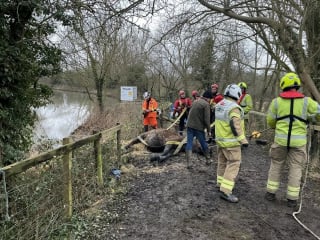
[(128, 93)]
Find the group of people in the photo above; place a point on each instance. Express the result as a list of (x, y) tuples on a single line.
[(288, 114)]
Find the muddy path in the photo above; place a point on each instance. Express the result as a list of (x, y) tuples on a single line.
[(170, 202)]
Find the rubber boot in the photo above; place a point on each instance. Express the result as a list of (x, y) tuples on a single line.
[(146, 128), (188, 158), (207, 157)]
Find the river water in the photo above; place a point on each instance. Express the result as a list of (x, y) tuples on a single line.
[(57, 120)]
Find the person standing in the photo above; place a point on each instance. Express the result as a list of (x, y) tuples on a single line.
[(230, 137), (181, 107), (287, 114), (216, 97), (245, 100), (198, 121), (195, 95), (149, 111)]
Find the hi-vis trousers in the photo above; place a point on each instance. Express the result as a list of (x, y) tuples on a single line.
[(229, 160), (296, 158)]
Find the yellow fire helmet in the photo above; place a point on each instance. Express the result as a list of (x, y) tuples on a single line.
[(290, 80), (242, 85)]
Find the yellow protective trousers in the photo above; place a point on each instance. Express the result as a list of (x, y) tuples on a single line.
[(229, 160), (295, 157)]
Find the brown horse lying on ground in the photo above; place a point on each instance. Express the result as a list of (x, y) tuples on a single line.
[(165, 143)]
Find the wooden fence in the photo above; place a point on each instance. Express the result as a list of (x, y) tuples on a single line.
[(66, 152)]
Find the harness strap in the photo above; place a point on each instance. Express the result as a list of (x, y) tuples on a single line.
[(241, 98), (291, 117)]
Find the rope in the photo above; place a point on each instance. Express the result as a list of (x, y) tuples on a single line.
[(183, 111), (7, 218), (303, 185)]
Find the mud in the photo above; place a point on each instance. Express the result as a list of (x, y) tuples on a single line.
[(170, 202)]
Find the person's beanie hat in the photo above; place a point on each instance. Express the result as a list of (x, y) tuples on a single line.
[(207, 94)]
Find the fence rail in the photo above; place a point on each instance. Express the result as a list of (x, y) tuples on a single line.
[(27, 186)]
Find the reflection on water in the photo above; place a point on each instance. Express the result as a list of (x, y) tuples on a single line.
[(58, 120)]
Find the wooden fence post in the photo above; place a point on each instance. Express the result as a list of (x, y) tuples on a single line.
[(67, 181), (119, 146), (98, 157)]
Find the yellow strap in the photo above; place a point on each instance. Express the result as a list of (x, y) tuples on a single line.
[(183, 111), (180, 146), (172, 142), (142, 141)]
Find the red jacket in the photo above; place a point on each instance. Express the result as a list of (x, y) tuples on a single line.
[(181, 104)]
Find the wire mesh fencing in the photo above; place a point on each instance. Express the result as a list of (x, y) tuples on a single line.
[(34, 203)]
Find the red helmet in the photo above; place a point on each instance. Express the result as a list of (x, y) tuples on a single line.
[(195, 93), (218, 98), (215, 86), (181, 92)]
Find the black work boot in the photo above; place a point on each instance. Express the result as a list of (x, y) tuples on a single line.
[(229, 197), (270, 196), (292, 203)]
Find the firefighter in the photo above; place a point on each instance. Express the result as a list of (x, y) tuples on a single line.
[(195, 95), (230, 137), (287, 114), (216, 97), (245, 101), (149, 111), (181, 104)]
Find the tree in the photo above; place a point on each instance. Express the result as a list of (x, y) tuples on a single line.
[(98, 37), (202, 62), (290, 23), (26, 55)]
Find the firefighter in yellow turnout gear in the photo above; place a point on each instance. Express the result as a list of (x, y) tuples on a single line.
[(288, 115), (230, 136), (245, 100)]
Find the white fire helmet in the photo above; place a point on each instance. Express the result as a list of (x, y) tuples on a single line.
[(146, 95), (233, 91)]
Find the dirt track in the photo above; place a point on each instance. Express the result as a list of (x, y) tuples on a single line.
[(169, 202)]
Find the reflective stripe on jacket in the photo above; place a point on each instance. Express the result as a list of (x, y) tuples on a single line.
[(278, 117), (224, 114), (246, 103)]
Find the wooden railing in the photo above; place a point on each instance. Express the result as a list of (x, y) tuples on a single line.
[(66, 152)]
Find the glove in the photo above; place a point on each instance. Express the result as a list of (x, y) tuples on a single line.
[(245, 145)]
